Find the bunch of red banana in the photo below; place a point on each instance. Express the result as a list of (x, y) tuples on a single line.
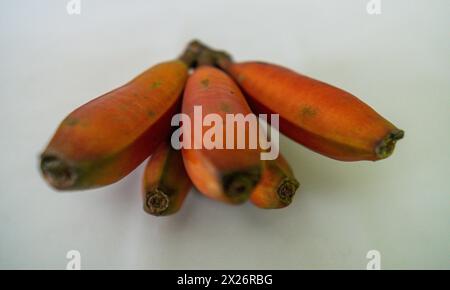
[(104, 140)]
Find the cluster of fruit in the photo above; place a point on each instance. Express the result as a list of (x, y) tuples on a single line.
[(104, 140)]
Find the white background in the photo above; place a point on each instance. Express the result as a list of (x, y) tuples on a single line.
[(398, 62)]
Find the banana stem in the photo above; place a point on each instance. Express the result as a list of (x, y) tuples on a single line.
[(286, 190), (239, 185), (191, 53), (156, 202), (197, 53)]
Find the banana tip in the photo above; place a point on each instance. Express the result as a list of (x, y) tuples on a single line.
[(387, 145), (156, 202), (57, 172), (287, 189), (238, 186)]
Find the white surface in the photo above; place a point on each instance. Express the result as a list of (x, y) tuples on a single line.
[(398, 62)]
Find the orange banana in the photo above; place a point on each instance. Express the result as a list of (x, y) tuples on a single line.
[(323, 118), (228, 175), (277, 185), (166, 182), (102, 141)]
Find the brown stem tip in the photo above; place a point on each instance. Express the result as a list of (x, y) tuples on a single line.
[(191, 52), (197, 53), (239, 185), (387, 145), (206, 57), (287, 189), (57, 172), (156, 202)]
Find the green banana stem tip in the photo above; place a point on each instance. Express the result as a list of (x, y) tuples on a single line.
[(287, 189), (387, 145), (238, 185)]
